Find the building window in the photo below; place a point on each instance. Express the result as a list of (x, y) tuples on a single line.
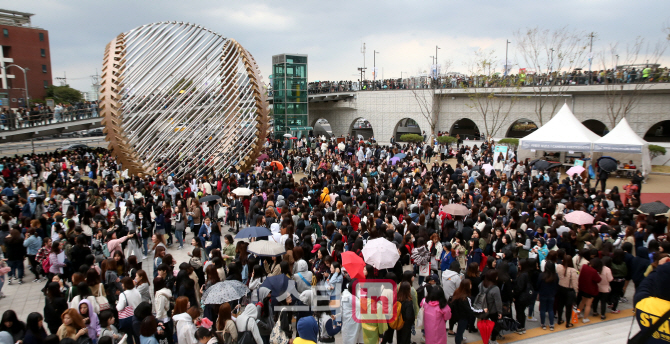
[(46, 84), (5, 32), (44, 68), (43, 52), (41, 36)]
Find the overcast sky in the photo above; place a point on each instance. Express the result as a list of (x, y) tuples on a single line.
[(332, 32)]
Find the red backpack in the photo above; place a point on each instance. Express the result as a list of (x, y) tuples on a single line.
[(482, 262), (46, 265)]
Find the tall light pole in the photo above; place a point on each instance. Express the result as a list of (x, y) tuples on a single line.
[(590, 56), (437, 70), (374, 65), (616, 64), (25, 81), (507, 42), (551, 62)]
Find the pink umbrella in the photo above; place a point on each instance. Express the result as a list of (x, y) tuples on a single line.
[(575, 169), (487, 168), (579, 217)]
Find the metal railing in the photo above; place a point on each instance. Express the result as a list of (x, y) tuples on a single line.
[(11, 120), (27, 145)]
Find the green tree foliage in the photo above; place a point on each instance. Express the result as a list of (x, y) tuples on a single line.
[(411, 138), (512, 143), (446, 139), (64, 94), (655, 151)]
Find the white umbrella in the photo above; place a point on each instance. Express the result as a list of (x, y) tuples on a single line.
[(266, 248), (243, 191), (288, 135), (487, 168), (380, 253)]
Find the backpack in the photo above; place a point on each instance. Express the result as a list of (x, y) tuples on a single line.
[(398, 323), (46, 264), (481, 303), (482, 262)]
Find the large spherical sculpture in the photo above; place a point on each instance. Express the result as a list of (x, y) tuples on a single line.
[(178, 98)]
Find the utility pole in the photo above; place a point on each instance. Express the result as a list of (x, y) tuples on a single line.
[(437, 70), (616, 64), (507, 42), (96, 84), (551, 62), (590, 56), (374, 65)]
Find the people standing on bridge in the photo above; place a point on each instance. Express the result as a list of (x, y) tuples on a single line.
[(58, 111)]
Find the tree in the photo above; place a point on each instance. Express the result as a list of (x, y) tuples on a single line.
[(512, 143), (621, 96), (64, 94), (655, 151), (553, 53), (411, 138), (491, 96), (429, 104)]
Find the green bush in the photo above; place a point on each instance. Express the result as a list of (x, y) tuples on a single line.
[(411, 138), (446, 139), (655, 151), (512, 143)]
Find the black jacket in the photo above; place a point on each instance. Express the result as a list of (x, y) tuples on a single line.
[(462, 309)]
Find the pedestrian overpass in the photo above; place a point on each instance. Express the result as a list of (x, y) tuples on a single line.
[(13, 130)]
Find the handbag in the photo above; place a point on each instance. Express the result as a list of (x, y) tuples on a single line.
[(424, 270), (246, 337), (221, 213), (419, 319), (101, 300), (278, 336)]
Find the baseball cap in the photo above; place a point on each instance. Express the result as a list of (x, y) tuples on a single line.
[(316, 248)]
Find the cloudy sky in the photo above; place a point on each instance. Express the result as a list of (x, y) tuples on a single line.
[(332, 32)]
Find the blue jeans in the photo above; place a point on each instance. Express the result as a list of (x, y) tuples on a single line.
[(180, 237), (547, 305), (145, 242), (460, 329), (17, 268), (190, 224)]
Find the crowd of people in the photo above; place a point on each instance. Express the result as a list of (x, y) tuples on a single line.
[(102, 242), (523, 78), (40, 114)]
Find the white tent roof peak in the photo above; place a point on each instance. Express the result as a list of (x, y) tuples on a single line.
[(564, 132), (622, 134)]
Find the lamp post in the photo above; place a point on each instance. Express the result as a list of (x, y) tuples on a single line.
[(551, 62), (437, 70), (507, 42), (374, 66), (25, 81), (616, 65)]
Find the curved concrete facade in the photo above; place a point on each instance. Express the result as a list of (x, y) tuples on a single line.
[(384, 109)]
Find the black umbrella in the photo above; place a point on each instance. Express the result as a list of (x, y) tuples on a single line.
[(607, 164), (209, 198), (543, 165), (280, 286), (658, 208), (253, 232)]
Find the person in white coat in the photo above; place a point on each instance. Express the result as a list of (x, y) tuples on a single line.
[(247, 322), (352, 331), (185, 327)]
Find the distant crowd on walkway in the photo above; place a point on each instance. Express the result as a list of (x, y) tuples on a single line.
[(40, 114), (641, 74)]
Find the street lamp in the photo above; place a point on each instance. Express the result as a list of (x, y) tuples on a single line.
[(25, 81), (551, 63), (374, 64), (616, 65), (507, 42)]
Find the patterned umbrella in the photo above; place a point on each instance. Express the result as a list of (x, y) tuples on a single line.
[(658, 208), (223, 292)]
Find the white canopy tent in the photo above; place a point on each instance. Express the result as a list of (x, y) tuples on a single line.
[(563, 133), (623, 144)]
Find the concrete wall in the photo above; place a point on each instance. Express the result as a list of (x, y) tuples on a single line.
[(384, 109)]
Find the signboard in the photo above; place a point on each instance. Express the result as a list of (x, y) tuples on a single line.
[(499, 149), (579, 162)]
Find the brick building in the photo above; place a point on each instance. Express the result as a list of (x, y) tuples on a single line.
[(28, 47)]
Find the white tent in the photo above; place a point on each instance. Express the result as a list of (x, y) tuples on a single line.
[(563, 133), (623, 144)]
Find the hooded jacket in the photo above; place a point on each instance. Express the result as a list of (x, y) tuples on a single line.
[(308, 330), (450, 282), (162, 303), (94, 324), (185, 328), (303, 270), (325, 196), (265, 321), (248, 318)]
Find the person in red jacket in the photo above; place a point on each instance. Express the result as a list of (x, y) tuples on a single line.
[(588, 285)]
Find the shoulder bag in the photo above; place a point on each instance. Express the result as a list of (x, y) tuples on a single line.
[(278, 336)]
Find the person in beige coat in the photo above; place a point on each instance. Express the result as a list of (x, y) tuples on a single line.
[(568, 288)]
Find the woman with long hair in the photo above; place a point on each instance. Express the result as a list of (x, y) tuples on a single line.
[(35, 333), (225, 324), (73, 325), (568, 287), (437, 312), (547, 286), (11, 324), (142, 285)]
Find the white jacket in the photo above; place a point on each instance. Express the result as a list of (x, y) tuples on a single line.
[(162, 303), (130, 298), (185, 328), (249, 316)]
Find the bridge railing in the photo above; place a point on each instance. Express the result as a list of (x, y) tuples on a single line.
[(15, 121)]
